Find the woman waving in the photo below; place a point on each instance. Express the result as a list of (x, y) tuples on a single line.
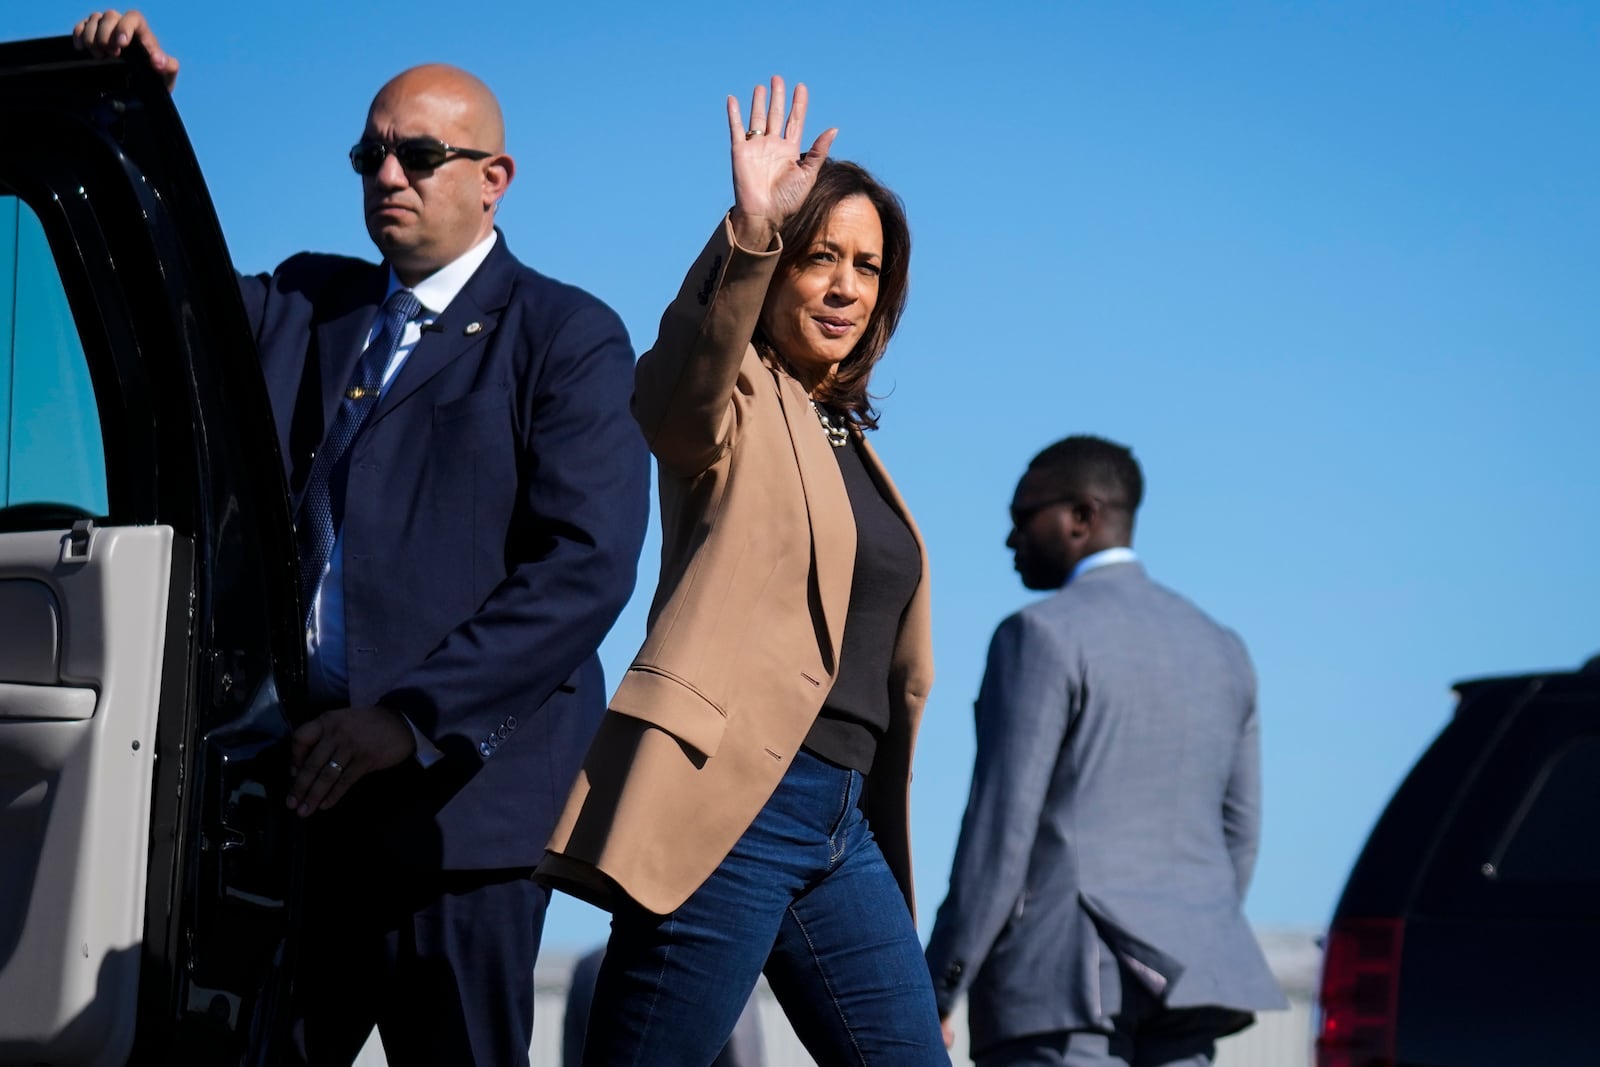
[(744, 804)]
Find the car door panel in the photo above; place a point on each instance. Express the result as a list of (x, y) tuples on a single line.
[(76, 762)]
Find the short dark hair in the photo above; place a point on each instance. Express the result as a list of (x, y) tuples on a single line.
[(838, 180), (1085, 463)]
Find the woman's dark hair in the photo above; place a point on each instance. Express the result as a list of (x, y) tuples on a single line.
[(846, 389)]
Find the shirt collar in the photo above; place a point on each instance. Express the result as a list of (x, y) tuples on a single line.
[(1104, 558), (436, 291)]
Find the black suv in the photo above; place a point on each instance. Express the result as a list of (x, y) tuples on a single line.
[(1469, 930), (150, 664)]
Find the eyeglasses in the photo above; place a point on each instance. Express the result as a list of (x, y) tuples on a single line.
[(414, 154)]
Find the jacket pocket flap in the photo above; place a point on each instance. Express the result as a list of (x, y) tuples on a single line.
[(661, 699)]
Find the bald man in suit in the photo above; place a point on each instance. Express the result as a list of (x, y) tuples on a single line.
[(470, 495)]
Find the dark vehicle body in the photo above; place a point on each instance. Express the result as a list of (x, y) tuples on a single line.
[(150, 664), (1468, 933)]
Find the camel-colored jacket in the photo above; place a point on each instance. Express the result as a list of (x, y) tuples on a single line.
[(757, 557)]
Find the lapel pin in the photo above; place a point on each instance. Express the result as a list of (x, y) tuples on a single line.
[(472, 328)]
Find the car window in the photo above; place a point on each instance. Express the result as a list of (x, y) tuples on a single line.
[(1517, 844), (1552, 840), (50, 443)]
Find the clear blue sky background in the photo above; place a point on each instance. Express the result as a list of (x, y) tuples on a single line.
[(1332, 270)]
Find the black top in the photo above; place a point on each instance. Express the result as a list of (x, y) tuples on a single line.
[(887, 571)]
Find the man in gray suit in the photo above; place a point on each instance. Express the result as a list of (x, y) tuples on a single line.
[(1094, 907)]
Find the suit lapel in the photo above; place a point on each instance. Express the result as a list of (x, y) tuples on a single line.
[(469, 321), (833, 528), (441, 344), (340, 339)]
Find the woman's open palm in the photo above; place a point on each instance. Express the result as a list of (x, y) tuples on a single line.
[(771, 172)]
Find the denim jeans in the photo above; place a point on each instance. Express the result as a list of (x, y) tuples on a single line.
[(806, 896)]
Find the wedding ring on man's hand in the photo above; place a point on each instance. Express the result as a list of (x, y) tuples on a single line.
[(753, 133), (333, 765)]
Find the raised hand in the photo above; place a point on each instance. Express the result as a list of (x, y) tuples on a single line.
[(772, 173), (107, 33)]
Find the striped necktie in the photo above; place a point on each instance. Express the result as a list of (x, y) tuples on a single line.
[(322, 507)]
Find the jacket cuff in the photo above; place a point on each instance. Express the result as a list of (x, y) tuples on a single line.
[(772, 249), (947, 987)]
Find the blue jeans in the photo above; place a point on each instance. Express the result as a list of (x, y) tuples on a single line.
[(806, 896)]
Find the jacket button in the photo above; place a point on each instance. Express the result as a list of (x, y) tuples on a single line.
[(952, 974), (483, 748)]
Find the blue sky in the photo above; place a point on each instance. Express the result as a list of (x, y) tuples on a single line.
[(1331, 270)]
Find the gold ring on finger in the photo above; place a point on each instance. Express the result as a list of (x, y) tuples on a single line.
[(753, 133), (335, 766)]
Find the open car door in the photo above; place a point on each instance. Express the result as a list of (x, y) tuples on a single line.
[(148, 616)]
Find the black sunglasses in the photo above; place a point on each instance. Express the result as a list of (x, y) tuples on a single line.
[(414, 154)]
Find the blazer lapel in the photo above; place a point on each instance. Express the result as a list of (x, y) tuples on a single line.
[(340, 339), (468, 321), (441, 344), (833, 528)]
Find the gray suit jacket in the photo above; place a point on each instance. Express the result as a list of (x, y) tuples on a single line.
[(1113, 819)]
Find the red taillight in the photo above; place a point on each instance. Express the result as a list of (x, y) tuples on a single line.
[(1360, 986)]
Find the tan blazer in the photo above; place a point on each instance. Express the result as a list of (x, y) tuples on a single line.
[(757, 556)]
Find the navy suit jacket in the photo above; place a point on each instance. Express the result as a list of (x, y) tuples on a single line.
[(496, 504)]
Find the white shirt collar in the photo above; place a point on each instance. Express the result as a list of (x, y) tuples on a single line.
[(1104, 558), (436, 291)]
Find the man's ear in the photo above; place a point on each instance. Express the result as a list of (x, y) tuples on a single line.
[(1084, 514), (497, 174)]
